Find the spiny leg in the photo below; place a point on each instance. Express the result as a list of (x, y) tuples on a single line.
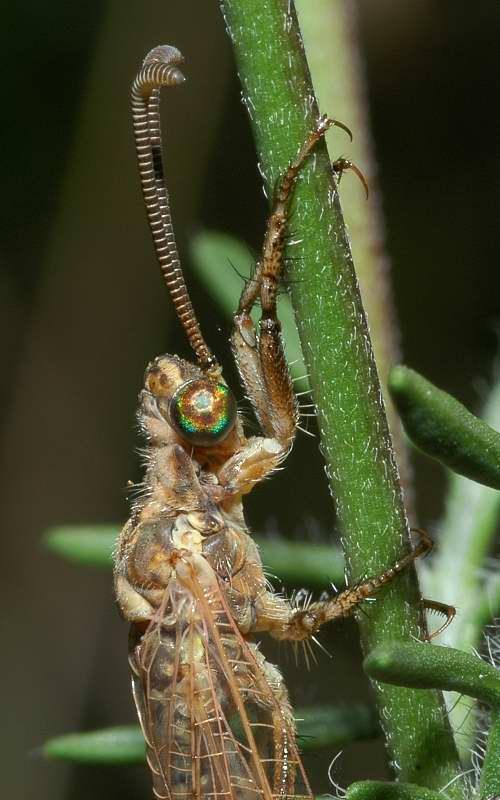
[(284, 735), (282, 724), (261, 359), (306, 622), (274, 240), (284, 622)]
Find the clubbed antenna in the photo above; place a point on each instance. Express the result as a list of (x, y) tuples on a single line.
[(160, 68)]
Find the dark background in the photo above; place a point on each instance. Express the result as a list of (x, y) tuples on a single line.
[(83, 310)]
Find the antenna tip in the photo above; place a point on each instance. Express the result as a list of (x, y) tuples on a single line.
[(166, 59), (164, 54), (176, 77)]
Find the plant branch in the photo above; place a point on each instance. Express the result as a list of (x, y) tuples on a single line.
[(330, 38), (335, 342)]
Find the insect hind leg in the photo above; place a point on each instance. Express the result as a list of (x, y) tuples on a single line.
[(287, 776)]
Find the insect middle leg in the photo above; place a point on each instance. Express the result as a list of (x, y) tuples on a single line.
[(301, 624)]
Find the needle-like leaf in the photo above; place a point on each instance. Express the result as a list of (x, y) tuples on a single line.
[(442, 428), (89, 545), (294, 563), (123, 744), (317, 728), (424, 666)]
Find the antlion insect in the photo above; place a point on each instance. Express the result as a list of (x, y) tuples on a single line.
[(215, 714)]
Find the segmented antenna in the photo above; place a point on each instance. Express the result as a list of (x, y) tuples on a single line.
[(160, 68)]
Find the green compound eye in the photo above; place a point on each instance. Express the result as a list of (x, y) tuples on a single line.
[(203, 412)]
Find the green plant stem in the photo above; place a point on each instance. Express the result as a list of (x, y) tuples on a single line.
[(487, 607), (330, 38), (422, 666), (337, 350)]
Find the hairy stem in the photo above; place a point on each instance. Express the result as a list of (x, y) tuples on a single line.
[(331, 45), (355, 438)]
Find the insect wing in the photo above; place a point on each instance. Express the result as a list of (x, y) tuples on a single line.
[(212, 725)]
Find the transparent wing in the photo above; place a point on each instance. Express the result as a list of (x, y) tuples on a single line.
[(212, 724)]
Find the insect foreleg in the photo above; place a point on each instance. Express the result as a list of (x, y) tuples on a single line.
[(260, 356)]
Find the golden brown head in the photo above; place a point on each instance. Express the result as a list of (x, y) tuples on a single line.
[(201, 410)]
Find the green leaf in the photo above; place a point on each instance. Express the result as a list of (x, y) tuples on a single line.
[(302, 563), (217, 259), (331, 726), (425, 666), (90, 545), (123, 744), (442, 428), (381, 790), (456, 573), (295, 563), (317, 728)]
